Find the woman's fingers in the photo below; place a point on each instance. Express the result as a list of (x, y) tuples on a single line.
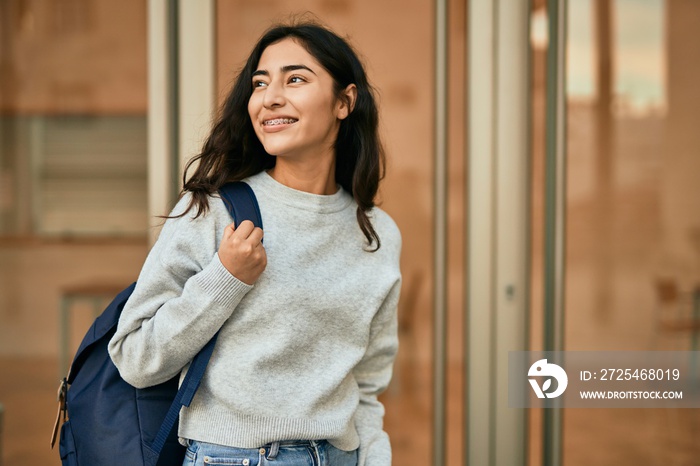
[(244, 229), (246, 232), (256, 235), (228, 232)]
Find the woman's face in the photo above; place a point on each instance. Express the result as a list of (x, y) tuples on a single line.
[(293, 107)]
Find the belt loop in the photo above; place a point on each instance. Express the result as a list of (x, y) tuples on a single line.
[(274, 450), (317, 453)]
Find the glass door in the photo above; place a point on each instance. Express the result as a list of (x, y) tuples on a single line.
[(631, 247), (633, 211)]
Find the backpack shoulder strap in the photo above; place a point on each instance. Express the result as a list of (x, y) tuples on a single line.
[(242, 204)]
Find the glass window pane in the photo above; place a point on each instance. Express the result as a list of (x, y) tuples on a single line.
[(633, 258)]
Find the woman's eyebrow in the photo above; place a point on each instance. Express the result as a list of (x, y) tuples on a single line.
[(284, 69), (288, 68)]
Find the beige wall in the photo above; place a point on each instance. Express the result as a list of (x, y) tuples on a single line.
[(73, 56)]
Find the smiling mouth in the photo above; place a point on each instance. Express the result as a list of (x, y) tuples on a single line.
[(279, 121)]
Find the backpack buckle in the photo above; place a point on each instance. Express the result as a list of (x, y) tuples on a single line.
[(61, 415)]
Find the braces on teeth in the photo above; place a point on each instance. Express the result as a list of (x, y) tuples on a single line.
[(279, 121)]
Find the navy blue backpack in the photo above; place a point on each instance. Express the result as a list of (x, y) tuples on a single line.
[(113, 423)]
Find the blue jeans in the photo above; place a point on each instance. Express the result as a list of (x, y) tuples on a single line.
[(285, 453)]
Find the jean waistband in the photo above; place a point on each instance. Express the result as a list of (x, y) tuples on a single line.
[(306, 443), (273, 448)]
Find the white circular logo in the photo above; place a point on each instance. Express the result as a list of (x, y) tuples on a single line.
[(542, 368)]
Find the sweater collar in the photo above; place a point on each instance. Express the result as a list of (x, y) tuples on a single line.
[(301, 199)]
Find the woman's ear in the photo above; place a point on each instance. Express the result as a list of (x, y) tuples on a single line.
[(346, 101)]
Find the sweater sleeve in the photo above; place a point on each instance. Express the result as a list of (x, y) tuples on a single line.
[(183, 296), (373, 375)]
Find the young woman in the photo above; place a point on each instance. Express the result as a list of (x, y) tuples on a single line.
[(308, 320)]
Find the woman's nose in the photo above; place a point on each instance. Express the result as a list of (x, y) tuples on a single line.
[(274, 96)]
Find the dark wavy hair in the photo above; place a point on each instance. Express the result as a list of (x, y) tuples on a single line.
[(233, 152)]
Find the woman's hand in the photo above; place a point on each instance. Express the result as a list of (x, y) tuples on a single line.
[(242, 253)]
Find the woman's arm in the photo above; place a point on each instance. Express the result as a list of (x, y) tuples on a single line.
[(373, 375), (184, 294)]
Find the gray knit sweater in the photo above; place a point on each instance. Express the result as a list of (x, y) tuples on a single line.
[(302, 354)]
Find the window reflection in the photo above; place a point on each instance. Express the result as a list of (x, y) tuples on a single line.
[(633, 207)]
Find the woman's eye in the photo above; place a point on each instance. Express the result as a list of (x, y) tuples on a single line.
[(296, 79), (258, 84)]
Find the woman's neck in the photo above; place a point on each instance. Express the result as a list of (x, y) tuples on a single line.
[(317, 178)]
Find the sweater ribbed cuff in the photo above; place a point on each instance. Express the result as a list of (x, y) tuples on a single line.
[(220, 285)]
